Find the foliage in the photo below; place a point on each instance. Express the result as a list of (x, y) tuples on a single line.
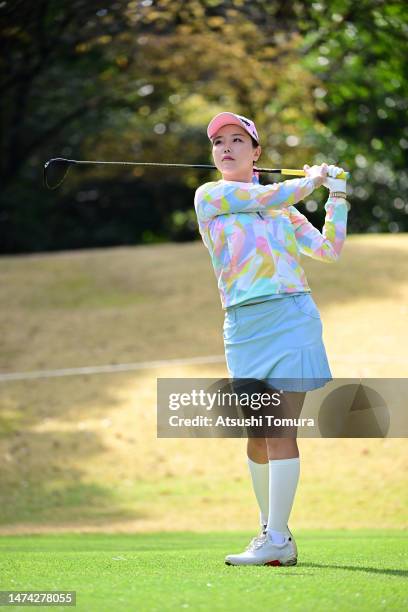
[(140, 80)]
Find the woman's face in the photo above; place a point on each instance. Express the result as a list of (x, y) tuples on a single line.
[(234, 154)]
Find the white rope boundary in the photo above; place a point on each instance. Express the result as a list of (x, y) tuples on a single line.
[(107, 369), (149, 365)]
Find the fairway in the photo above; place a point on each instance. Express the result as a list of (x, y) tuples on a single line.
[(337, 570)]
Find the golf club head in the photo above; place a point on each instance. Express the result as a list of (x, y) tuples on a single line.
[(55, 171)]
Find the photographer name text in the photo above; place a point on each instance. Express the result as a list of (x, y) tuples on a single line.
[(254, 421)]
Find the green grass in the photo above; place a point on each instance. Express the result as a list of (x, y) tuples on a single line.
[(337, 570)]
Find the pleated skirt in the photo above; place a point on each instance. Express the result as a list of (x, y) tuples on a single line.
[(278, 341)]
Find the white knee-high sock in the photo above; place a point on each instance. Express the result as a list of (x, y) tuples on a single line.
[(260, 483), (283, 480)]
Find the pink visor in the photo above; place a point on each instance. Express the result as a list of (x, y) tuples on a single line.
[(231, 118)]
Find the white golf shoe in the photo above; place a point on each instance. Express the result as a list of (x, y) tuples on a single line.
[(263, 551)]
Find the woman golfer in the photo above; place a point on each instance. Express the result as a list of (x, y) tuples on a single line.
[(272, 327)]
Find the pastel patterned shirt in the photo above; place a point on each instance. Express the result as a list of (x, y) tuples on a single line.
[(255, 236)]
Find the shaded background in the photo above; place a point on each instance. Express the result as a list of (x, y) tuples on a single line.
[(324, 81)]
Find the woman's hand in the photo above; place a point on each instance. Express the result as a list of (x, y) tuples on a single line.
[(332, 183), (318, 173)]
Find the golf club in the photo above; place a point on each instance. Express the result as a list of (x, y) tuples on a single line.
[(56, 169)]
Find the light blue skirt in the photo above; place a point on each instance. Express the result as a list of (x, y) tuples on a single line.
[(278, 341)]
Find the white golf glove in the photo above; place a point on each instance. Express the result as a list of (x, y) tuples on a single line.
[(331, 182)]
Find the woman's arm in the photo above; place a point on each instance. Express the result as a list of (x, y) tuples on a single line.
[(226, 197), (325, 246)]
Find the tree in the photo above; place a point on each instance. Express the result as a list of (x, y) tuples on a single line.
[(140, 80)]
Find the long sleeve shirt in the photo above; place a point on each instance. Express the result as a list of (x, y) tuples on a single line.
[(255, 237)]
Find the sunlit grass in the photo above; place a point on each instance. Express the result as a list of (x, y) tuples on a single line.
[(336, 570)]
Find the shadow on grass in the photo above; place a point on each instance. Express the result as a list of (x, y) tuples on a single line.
[(356, 568), (41, 487)]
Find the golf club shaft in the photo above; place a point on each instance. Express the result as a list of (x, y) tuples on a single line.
[(284, 171)]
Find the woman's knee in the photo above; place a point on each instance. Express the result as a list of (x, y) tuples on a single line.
[(257, 450), (257, 443), (282, 448)]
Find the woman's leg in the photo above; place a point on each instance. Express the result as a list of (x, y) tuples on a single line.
[(284, 467), (277, 547), (261, 451), (257, 450), (258, 463)]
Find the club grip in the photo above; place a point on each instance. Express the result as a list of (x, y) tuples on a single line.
[(343, 175)]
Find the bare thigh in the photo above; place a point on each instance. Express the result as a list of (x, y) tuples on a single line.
[(261, 450), (286, 447)]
